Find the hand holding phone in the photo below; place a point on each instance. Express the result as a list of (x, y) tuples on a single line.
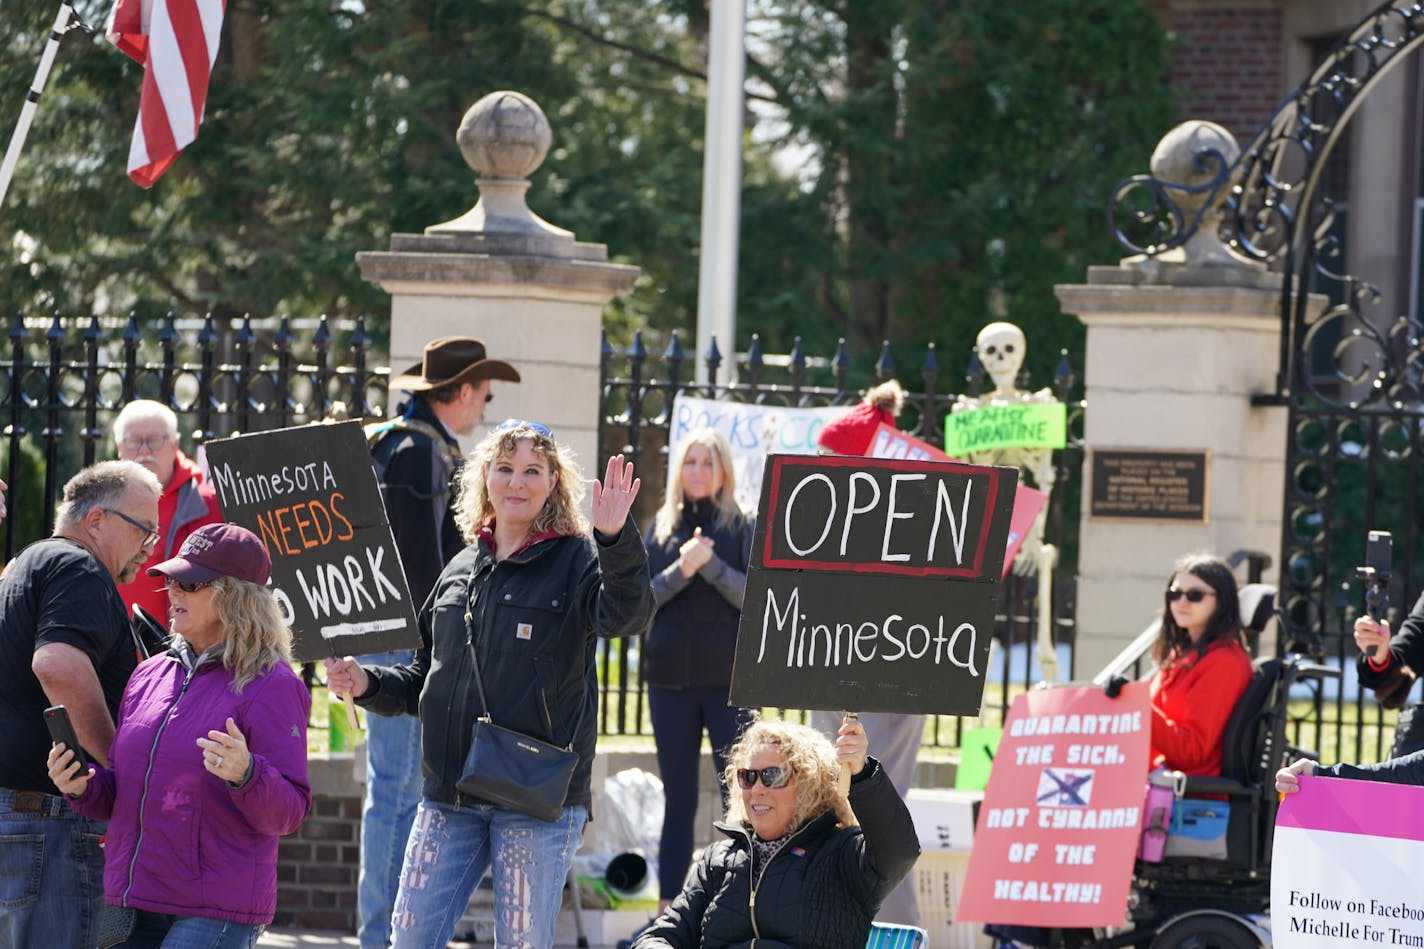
[(72, 776), (1375, 574), (61, 730)]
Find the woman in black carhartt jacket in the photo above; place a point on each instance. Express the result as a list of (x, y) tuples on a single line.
[(698, 548), (530, 596), (795, 870)]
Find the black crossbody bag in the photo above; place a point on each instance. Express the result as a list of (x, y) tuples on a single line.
[(513, 770)]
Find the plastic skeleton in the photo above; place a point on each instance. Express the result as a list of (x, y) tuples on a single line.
[(1001, 348)]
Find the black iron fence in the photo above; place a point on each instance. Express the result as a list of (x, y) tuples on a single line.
[(66, 379)]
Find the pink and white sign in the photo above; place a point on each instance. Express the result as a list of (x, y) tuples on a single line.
[(1058, 829), (1347, 865)]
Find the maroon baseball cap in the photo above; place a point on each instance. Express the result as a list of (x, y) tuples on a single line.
[(218, 550)]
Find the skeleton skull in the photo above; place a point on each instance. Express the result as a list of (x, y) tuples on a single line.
[(1001, 353)]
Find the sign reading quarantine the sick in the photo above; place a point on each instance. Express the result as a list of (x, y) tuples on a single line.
[(1346, 865), (1019, 425), (310, 493), (1058, 828), (753, 432), (873, 585)]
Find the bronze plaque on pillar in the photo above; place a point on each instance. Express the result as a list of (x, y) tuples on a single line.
[(1142, 484)]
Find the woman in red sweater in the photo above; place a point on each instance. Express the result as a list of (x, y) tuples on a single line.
[(1202, 666)]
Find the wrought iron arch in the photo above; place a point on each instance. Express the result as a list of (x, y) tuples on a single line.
[(1348, 437)]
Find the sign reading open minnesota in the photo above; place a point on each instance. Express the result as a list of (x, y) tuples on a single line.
[(873, 584)]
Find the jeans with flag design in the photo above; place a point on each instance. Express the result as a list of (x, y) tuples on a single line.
[(452, 845)]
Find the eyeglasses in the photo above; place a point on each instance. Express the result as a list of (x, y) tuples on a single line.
[(1192, 596), (186, 586), (771, 778), (136, 443), (150, 534), (513, 423)]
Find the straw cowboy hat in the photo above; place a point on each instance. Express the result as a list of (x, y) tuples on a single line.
[(453, 359)]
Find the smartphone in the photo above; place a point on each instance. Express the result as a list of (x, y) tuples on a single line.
[(1379, 546), (61, 729)]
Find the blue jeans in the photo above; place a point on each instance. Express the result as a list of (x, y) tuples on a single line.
[(393, 781), (156, 931), (452, 845), (51, 872)]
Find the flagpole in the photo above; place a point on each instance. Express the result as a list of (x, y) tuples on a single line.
[(721, 188), (32, 98)]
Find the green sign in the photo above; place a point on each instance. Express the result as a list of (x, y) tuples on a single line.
[(976, 756), (1023, 425)]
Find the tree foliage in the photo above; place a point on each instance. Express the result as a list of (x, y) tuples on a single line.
[(913, 168)]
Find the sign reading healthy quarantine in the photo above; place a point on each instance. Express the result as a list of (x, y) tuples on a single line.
[(1058, 828), (872, 585), (310, 493), (1346, 865), (1018, 425), (753, 432)]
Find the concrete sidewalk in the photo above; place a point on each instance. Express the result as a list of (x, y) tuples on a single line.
[(287, 938)]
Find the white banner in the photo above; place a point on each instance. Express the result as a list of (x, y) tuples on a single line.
[(754, 431), (1346, 866)]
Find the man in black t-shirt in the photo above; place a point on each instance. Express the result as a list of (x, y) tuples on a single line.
[(65, 639)]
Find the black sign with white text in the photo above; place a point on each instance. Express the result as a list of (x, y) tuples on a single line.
[(310, 493), (873, 584)]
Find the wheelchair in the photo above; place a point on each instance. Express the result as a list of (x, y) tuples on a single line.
[(1222, 903)]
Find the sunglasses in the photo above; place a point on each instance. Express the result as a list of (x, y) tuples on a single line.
[(512, 423), (187, 586), (771, 778), (1192, 596), (150, 534)]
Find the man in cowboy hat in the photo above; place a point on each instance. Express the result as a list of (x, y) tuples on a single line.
[(416, 458)]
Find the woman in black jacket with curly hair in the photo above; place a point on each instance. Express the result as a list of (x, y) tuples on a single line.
[(801, 865)]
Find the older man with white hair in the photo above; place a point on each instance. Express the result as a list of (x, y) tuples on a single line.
[(146, 431)]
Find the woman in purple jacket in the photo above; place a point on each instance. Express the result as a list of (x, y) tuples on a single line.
[(209, 760)]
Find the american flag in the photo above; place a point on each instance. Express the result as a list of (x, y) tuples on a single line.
[(177, 42)]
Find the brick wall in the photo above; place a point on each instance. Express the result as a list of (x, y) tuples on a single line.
[(1227, 64), (317, 866)]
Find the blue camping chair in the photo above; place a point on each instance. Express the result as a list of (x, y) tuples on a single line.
[(895, 936)]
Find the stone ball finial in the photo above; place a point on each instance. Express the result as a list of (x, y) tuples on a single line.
[(504, 135), (505, 138), (1182, 158)]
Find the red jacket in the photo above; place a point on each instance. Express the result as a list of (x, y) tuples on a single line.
[(1191, 702), (187, 503)]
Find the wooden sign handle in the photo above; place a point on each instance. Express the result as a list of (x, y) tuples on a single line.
[(351, 713), (843, 782)]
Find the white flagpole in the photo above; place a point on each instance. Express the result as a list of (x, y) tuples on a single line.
[(32, 98), (721, 187)]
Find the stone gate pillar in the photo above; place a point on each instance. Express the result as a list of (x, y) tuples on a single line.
[(1177, 345), (532, 292)]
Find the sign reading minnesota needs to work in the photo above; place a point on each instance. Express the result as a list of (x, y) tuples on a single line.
[(1149, 485), (310, 493), (873, 584), (1021, 425)]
